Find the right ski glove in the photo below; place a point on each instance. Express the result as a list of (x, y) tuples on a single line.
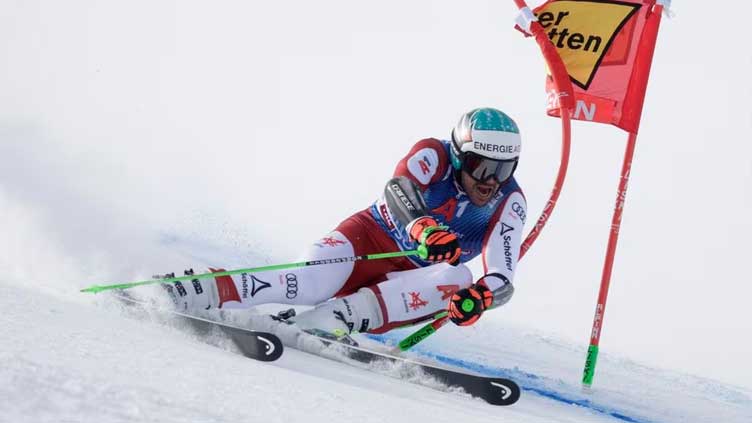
[(468, 304), (437, 244)]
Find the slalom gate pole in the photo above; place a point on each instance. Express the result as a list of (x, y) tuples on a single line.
[(566, 104), (613, 239), (98, 288)]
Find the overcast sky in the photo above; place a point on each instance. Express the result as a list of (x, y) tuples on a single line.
[(258, 126)]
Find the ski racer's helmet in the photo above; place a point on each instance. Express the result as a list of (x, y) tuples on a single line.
[(486, 143)]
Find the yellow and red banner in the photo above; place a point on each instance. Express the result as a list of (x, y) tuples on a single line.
[(607, 47)]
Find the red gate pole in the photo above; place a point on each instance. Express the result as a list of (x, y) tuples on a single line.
[(613, 239), (564, 99)]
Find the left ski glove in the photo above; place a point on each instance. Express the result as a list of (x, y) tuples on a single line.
[(468, 304)]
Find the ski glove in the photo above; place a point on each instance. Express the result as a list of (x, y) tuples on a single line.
[(437, 244), (467, 304)]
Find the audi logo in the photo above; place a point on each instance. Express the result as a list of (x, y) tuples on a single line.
[(517, 208), (292, 285)]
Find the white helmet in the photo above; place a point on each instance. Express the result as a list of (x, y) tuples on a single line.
[(485, 143)]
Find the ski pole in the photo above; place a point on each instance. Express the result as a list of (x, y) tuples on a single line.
[(419, 335), (99, 288)]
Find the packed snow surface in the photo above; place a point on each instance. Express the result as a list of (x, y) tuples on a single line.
[(66, 359)]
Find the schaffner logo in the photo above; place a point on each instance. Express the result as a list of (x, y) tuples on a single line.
[(497, 145), (589, 34)]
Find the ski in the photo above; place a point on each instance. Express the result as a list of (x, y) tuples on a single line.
[(267, 345), (494, 390), (257, 345)]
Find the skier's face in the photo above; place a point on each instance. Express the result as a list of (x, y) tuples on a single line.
[(480, 193)]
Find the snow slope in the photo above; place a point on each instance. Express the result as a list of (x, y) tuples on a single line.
[(125, 123), (63, 359)]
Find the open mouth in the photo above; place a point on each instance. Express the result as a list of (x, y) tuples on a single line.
[(484, 191)]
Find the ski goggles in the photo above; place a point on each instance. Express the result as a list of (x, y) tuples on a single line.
[(481, 168)]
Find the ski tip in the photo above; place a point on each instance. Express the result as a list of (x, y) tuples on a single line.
[(261, 346), (271, 347), (503, 392)]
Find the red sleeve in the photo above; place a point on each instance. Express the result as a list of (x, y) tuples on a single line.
[(426, 163)]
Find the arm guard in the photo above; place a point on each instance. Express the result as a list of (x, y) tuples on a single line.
[(404, 199), (500, 287)]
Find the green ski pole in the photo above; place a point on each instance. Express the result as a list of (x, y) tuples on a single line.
[(99, 288), (421, 334)]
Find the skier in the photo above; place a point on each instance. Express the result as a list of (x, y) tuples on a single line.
[(452, 200)]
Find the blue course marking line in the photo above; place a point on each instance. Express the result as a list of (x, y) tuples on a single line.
[(527, 381)]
